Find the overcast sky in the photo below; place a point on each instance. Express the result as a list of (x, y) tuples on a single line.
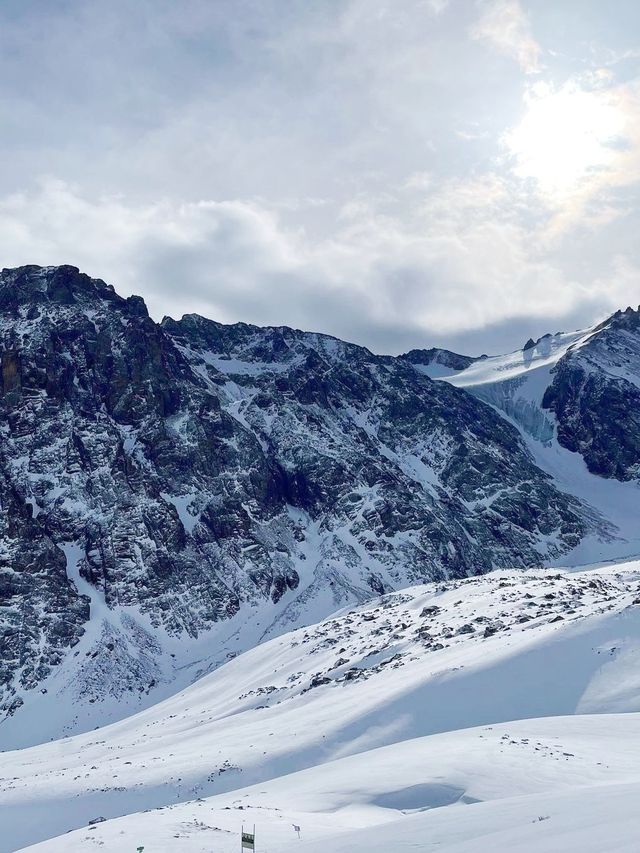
[(399, 173)]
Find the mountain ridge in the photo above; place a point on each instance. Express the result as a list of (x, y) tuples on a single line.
[(173, 477)]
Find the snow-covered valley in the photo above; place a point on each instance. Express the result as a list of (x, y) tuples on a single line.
[(532, 785)]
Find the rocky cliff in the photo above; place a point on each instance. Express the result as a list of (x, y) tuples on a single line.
[(595, 395)]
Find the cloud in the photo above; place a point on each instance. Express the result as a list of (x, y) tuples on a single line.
[(461, 260), (579, 145), (354, 166), (505, 25), (438, 6), (160, 249)]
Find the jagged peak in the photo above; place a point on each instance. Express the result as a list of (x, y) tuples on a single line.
[(63, 285), (444, 357), (266, 342), (629, 316)]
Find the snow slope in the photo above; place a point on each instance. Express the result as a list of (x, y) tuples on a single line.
[(545, 354), (515, 383), (421, 663), (147, 652), (533, 785)]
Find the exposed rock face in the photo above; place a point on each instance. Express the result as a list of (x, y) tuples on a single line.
[(184, 470), (595, 395), (442, 357)]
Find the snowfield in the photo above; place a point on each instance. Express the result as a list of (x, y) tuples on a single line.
[(530, 785), (500, 712)]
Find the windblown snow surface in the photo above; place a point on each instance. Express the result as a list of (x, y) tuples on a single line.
[(494, 713)]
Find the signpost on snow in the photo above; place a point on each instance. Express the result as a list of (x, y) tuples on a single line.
[(248, 839), (296, 828)]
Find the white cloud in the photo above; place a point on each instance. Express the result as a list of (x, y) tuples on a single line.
[(506, 26), (461, 260), (342, 165), (620, 283), (161, 249), (579, 144)]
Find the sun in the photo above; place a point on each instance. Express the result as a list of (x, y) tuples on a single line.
[(566, 136)]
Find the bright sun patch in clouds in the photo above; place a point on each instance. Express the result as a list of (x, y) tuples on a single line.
[(567, 136)]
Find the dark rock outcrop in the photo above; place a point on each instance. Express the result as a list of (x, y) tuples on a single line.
[(443, 357), (595, 395)]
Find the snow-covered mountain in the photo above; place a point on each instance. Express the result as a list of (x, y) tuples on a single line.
[(305, 585), (174, 493), (575, 398), (417, 715), (582, 387)]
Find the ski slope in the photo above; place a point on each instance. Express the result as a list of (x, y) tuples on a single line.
[(425, 698)]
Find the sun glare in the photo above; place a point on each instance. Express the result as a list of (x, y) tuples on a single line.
[(566, 136)]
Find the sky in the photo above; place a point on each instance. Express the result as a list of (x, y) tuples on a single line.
[(399, 173)]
